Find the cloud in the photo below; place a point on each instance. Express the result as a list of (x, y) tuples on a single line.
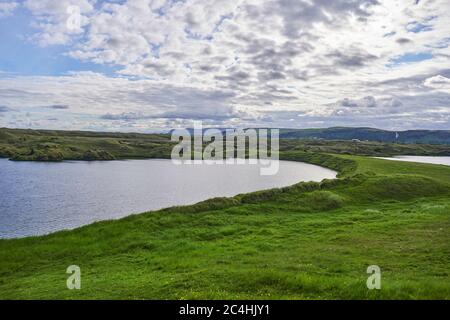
[(94, 96), (57, 107), (252, 62), (4, 109), (351, 59), (59, 22), (126, 116), (7, 8), (438, 82), (403, 40), (367, 105)]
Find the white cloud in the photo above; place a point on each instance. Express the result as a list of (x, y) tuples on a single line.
[(253, 59), (438, 82), (85, 98), (52, 19), (7, 8)]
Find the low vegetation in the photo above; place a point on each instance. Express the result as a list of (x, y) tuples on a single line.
[(47, 145), (307, 241)]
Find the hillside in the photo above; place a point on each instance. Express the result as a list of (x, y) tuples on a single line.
[(308, 241), (50, 145)]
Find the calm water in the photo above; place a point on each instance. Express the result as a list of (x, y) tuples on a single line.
[(422, 159), (38, 198)]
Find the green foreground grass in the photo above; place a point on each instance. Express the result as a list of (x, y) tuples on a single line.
[(308, 241)]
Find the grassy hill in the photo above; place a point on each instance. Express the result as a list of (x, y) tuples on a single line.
[(307, 241), (48, 145)]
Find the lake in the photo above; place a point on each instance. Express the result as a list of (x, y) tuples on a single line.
[(422, 159), (39, 197)]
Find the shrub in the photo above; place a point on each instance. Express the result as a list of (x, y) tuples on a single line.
[(93, 154), (259, 196), (207, 205), (304, 187), (322, 200)]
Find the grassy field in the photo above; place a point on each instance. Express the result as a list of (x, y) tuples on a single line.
[(308, 241), (48, 145)]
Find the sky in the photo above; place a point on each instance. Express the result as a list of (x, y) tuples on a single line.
[(150, 65)]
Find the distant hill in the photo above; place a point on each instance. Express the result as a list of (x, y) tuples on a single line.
[(346, 133), (363, 134), (54, 145)]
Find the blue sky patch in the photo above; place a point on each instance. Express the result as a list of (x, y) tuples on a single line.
[(410, 58), (417, 27), (20, 56)]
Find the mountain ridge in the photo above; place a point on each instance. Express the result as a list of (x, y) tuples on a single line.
[(370, 134), (420, 136)]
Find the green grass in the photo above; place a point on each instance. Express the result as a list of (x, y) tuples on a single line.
[(48, 145), (307, 241)]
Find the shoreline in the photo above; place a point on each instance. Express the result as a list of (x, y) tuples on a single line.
[(208, 199)]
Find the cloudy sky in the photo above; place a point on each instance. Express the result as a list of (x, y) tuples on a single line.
[(145, 65)]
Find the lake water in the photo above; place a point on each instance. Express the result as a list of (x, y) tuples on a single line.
[(422, 159), (38, 198)]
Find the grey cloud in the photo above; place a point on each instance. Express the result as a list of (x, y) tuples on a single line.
[(267, 55), (426, 101), (208, 50), (346, 102), (403, 40), (57, 106), (175, 55), (274, 62), (224, 114), (4, 109), (323, 69), (220, 115), (298, 16), (114, 43), (390, 34), (293, 48), (406, 83), (189, 19), (235, 76), (411, 107), (427, 120), (337, 61), (351, 59), (299, 74), (209, 68), (126, 116), (269, 60), (369, 102), (271, 75), (158, 68), (11, 93), (348, 105), (394, 103), (170, 102)]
